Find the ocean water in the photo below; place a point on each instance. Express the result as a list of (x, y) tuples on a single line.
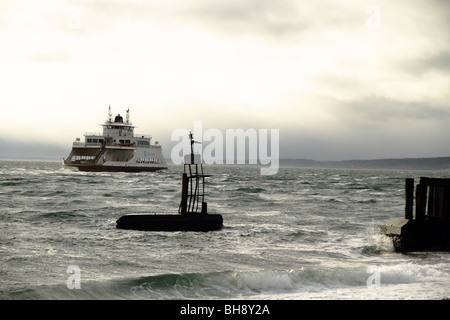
[(301, 234)]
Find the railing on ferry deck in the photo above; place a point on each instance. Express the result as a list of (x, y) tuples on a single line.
[(93, 134), (136, 135), (145, 136)]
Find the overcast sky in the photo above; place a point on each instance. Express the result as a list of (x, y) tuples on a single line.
[(339, 79)]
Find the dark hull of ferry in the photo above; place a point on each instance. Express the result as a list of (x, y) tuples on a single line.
[(97, 168)]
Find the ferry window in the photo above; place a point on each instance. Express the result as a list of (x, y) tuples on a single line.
[(143, 143)]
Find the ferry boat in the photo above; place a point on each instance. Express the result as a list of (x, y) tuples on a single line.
[(117, 149)]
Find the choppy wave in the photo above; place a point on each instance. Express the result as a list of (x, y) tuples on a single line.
[(306, 283)]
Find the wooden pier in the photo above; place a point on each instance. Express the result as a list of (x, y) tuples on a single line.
[(429, 229)]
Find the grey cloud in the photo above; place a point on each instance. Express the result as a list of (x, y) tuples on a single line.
[(372, 128), (439, 61), (18, 149), (277, 19), (262, 17), (381, 110)]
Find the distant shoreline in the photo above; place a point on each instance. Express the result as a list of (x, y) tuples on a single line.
[(435, 163)]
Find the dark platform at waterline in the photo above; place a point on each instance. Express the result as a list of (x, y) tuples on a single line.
[(429, 230), (418, 235), (171, 222)]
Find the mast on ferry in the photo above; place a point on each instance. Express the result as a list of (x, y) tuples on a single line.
[(109, 114), (127, 119)]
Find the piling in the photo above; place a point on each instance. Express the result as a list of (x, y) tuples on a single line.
[(409, 198), (421, 201)]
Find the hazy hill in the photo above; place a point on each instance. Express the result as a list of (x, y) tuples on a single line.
[(438, 163)]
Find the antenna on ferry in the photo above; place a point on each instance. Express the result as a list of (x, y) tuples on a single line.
[(109, 114), (128, 116)]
